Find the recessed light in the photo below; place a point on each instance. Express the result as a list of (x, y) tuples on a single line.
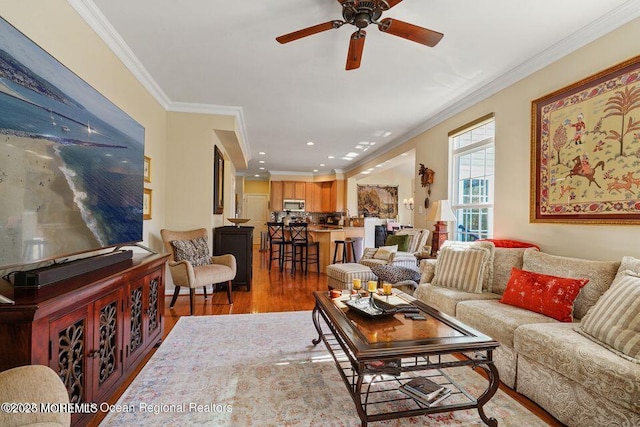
[(315, 170), (310, 143), (372, 143), (257, 176), (359, 147), (262, 153), (347, 158), (351, 154), (331, 157), (261, 169), (404, 154), (321, 164), (261, 161)]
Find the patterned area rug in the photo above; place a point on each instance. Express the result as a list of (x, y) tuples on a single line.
[(261, 370)]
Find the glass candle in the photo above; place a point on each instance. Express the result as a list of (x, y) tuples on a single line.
[(372, 285), (357, 284), (386, 288)]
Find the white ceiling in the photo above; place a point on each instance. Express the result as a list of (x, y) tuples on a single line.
[(214, 54)]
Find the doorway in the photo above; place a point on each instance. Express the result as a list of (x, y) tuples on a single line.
[(256, 208)]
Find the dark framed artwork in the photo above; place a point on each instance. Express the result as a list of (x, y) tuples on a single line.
[(218, 182), (585, 150)]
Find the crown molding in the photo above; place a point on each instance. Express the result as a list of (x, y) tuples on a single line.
[(103, 28), (608, 22)]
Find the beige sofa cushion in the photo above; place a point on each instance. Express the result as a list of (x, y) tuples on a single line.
[(559, 348), (614, 321), (497, 320), (461, 268), (599, 273), (446, 299), (504, 260), (487, 265), (419, 238)]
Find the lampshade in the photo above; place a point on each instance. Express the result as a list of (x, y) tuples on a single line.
[(440, 211)]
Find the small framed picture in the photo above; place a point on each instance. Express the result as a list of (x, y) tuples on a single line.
[(146, 204), (147, 169)]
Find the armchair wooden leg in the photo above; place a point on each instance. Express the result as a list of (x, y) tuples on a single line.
[(192, 299), (229, 288), (205, 291), (176, 291)]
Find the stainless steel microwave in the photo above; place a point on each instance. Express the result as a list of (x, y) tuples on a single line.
[(293, 205)]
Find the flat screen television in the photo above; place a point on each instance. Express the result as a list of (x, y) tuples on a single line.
[(71, 162)]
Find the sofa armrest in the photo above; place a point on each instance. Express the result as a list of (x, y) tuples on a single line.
[(182, 273)]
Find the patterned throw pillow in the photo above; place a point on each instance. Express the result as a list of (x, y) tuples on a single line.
[(195, 251), (615, 319), (402, 240), (394, 273), (461, 268), (549, 295), (384, 252)]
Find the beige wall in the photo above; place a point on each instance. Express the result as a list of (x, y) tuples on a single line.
[(59, 30), (394, 176), (512, 108), (189, 176)]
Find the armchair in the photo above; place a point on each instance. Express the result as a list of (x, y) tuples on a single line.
[(37, 384), (192, 267)]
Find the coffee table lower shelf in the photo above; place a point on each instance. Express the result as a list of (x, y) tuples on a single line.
[(376, 392)]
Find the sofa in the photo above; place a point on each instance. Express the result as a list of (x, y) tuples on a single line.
[(570, 368)]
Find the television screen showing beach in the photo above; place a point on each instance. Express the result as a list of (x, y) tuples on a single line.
[(71, 162)]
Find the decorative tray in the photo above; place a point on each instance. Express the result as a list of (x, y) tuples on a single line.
[(379, 309)]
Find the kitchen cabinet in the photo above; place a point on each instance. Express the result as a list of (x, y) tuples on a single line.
[(293, 190), (276, 195), (313, 199), (83, 327)]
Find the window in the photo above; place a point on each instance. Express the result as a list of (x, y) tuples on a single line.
[(473, 161)]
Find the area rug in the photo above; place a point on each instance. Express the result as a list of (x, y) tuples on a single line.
[(262, 370)]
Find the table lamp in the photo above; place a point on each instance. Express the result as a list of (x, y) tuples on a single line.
[(440, 212)]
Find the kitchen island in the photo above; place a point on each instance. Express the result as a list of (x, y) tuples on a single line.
[(326, 236)]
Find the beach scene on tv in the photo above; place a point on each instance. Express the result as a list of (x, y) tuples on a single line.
[(71, 162)]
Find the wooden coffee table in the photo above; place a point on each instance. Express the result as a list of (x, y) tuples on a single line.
[(375, 355)]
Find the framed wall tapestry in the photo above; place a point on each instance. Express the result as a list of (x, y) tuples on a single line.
[(585, 143), (379, 201), (218, 182)]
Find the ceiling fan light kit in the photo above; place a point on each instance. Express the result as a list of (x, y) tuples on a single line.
[(361, 14)]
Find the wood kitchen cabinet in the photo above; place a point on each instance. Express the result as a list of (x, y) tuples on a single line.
[(293, 190), (93, 329), (276, 195), (313, 201)]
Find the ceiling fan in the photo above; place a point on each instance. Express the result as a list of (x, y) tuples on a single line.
[(360, 14)]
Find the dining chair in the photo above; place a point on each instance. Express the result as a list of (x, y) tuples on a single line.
[(301, 245)]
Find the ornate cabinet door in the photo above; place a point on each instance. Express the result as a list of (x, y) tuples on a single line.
[(154, 308), (69, 343), (106, 351), (143, 325)]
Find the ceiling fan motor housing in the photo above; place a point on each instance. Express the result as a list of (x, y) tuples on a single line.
[(363, 13)]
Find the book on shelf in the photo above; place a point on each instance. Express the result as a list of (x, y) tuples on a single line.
[(425, 390), (443, 395)]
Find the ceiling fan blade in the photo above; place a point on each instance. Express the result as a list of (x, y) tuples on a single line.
[(356, 46), (309, 31), (410, 31), (392, 3)]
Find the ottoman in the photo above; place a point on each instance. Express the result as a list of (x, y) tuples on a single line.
[(341, 275)]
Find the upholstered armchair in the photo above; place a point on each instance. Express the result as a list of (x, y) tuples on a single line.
[(192, 266), (33, 384)]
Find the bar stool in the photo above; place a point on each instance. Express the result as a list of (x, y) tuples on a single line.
[(301, 244), (345, 243), (278, 243)]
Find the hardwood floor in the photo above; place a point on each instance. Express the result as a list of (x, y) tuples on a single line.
[(273, 291)]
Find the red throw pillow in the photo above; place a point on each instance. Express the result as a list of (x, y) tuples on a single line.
[(549, 295), (508, 243)]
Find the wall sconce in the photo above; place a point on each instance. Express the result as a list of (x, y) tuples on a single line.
[(408, 204)]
